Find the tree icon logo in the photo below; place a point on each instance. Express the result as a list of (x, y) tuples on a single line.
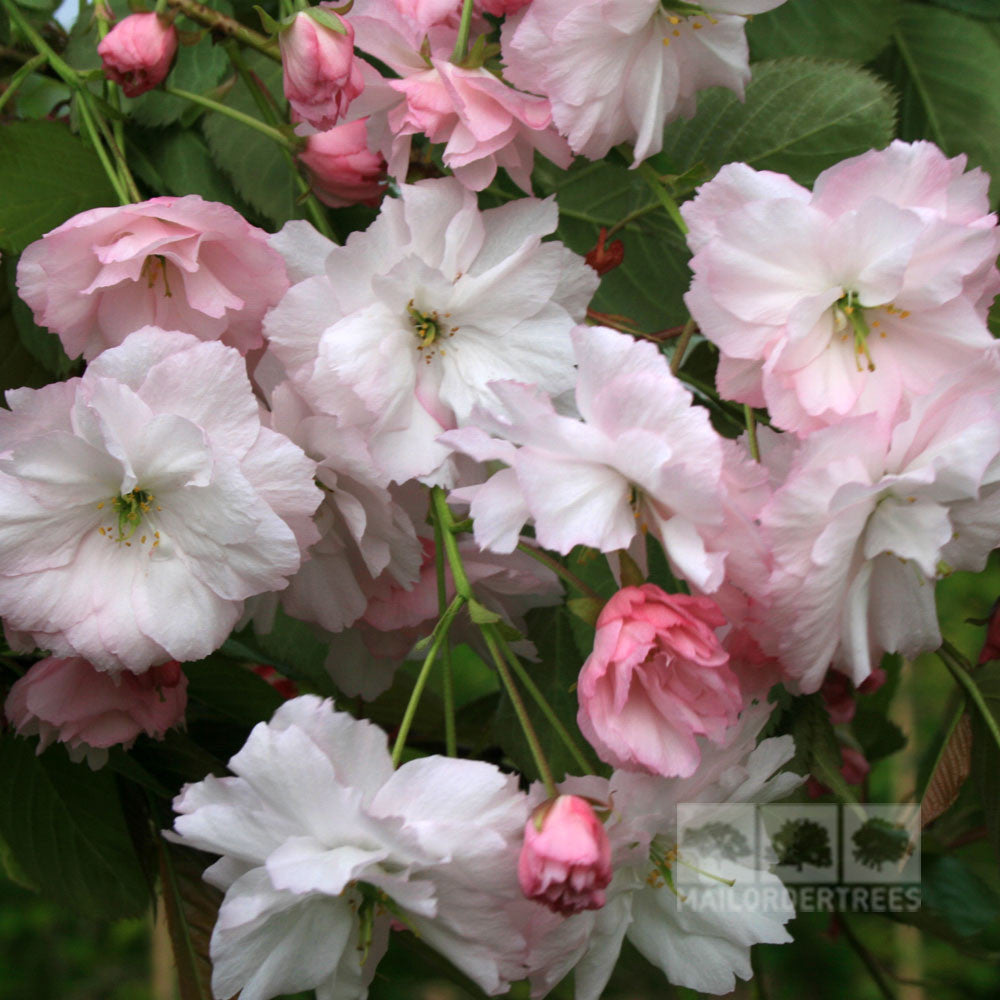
[(802, 842), (878, 842)]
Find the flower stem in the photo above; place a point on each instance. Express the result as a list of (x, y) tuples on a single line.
[(957, 664), (443, 516), (450, 741), (116, 140), (652, 179), (221, 24), (491, 635), (462, 42), (248, 120), (681, 347), (440, 637), (557, 567), (20, 75), (751, 420), (543, 704)]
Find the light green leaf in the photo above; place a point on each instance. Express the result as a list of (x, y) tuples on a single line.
[(47, 175), (66, 829), (800, 117), (954, 65), (848, 29)]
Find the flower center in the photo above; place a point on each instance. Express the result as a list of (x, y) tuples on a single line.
[(129, 508), (852, 319), (678, 11), (430, 330), (154, 267)]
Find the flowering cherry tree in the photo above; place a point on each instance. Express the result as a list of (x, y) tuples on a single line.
[(445, 439)]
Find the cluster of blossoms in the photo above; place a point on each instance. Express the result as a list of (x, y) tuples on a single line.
[(265, 421)]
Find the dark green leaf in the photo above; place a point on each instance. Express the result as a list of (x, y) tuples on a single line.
[(17, 367), (985, 752), (648, 286), (43, 346), (816, 745), (65, 827), (800, 117), (879, 737), (954, 65), (47, 174), (848, 29), (989, 10), (231, 691), (950, 889)]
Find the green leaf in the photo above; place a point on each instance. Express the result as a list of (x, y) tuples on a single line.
[(291, 647), (191, 906), (949, 888), (816, 745), (953, 63), (800, 117), (231, 691), (848, 29), (43, 346), (555, 674), (988, 10), (879, 737), (256, 164), (185, 166), (66, 829), (17, 366), (648, 286), (47, 174)]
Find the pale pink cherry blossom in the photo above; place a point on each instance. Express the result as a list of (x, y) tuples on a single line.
[(177, 263), (321, 77), (411, 319), (138, 51), (618, 72), (342, 169), (867, 522), (850, 300), (704, 949), (658, 677), (141, 504), (484, 124), (71, 702), (643, 458), (565, 862), (323, 844)]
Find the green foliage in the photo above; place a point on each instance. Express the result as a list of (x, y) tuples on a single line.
[(47, 174), (17, 366), (848, 29), (43, 346), (816, 746), (255, 164), (66, 829), (950, 77), (800, 117), (986, 752), (950, 889), (878, 736)]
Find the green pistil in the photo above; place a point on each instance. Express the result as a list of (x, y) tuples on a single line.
[(130, 508), (682, 8), (855, 314), (149, 268), (427, 326)]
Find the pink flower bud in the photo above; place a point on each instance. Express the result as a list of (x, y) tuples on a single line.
[(70, 701), (137, 52), (498, 8), (343, 170), (565, 862), (321, 76), (838, 697)]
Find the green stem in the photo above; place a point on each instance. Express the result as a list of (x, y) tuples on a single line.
[(248, 120), (264, 101), (443, 516), (450, 740), (681, 347), (543, 704), (557, 567), (462, 42), (440, 637), (538, 755), (650, 176), (751, 420), (878, 976), (956, 663), (72, 79), (221, 24), (20, 75)]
